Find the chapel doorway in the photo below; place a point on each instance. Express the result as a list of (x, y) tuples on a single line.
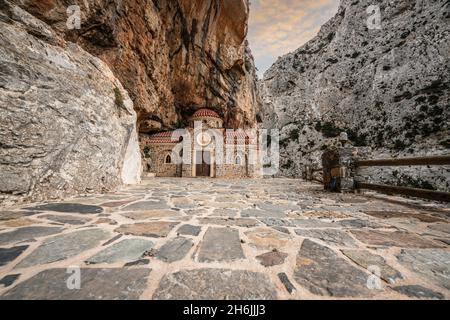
[(203, 164)]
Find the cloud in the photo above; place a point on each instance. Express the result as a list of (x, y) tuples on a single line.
[(278, 27)]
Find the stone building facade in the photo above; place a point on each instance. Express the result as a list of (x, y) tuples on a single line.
[(204, 149)]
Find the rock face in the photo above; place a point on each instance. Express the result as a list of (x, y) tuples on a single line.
[(171, 56), (66, 123), (70, 126), (387, 88)]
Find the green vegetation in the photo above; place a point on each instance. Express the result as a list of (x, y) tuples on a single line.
[(399, 145), (287, 165), (294, 134), (119, 98), (328, 129), (146, 152), (445, 143)]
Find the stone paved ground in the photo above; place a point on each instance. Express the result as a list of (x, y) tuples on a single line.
[(226, 239)]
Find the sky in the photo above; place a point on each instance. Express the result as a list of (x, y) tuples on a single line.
[(277, 27)]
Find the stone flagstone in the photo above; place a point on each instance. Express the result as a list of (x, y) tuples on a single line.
[(433, 264), (9, 279), (416, 291), (151, 214), (395, 238), (261, 213), (215, 284), (10, 254), (239, 222), (63, 246), (125, 250), (189, 230), (16, 223), (96, 284), (155, 229), (147, 205), (272, 258), (367, 260), (27, 233), (398, 214), (268, 238), (286, 282), (67, 207), (11, 215), (175, 249), (330, 236), (323, 272), (314, 223), (442, 227), (277, 222), (220, 244), (68, 219)]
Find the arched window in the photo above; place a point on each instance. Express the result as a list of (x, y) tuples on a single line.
[(168, 159), (238, 160)]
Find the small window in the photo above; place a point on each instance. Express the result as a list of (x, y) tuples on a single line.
[(168, 159), (238, 160)]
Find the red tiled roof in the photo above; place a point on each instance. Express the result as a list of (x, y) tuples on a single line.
[(164, 137), (205, 113)]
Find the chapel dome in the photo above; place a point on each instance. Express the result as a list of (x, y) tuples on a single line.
[(205, 113)]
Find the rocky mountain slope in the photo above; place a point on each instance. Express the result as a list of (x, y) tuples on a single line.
[(73, 100), (67, 126), (388, 89), (171, 56)]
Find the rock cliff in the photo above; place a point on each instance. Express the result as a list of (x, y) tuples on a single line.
[(74, 97), (387, 88), (67, 126), (171, 56)]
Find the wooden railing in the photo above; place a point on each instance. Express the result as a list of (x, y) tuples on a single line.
[(413, 192)]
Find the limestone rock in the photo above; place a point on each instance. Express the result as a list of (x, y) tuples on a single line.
[(69, 126), (387, 88), (169, 55)]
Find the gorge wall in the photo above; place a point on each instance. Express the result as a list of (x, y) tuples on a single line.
[(67, 126), (388, 89), (171, 56), (74, 100)]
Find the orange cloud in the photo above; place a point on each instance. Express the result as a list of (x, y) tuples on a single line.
[(277, 27)]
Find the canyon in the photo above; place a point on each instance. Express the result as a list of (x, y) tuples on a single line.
[(78, 97), (77, 101), (386, 89)]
